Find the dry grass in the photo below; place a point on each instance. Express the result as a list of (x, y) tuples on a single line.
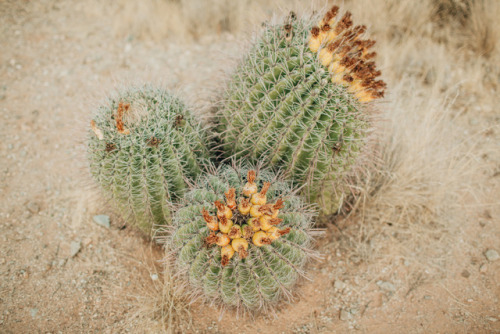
[(438, 57), (160, 305)]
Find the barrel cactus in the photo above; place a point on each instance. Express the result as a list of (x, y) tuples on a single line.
[(144, 147), (298, 101), (242, 238)]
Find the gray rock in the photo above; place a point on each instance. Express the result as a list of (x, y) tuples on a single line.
[(339, 285), (102, 220), (33, 207), (33, 312), (387, 286), (344, 315), (492, 255), (75, 248)]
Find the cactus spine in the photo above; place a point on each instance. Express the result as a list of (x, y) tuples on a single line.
[(242, 242), (143, 147), (297, 101)]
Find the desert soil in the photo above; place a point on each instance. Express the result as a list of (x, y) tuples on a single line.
[(60, 272)]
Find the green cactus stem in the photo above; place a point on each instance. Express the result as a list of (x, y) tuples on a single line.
[(144, 147), (257, 261)]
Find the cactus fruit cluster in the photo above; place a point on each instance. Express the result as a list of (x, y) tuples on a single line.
[(242, 238), (143, 149), (297, 101), (298, 104)]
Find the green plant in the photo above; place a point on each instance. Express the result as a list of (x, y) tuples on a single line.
[(298, 101), (143, 150), (241, 238)]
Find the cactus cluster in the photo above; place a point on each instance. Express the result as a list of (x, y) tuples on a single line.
[(297, 101), (297, 104), (143, 148), (268, 229)]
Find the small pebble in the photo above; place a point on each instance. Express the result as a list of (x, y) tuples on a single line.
[(483, 268), (75, 248), (339, 285), (492, 255), (154, 277), (344, 315), (102, 220), (387, 286), (33, 207), (33, 312), (465, 274)]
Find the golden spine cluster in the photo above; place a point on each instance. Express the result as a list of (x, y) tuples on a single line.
[(251, 220), (347, 56)]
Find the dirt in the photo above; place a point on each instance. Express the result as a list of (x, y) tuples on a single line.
[(58, 60)]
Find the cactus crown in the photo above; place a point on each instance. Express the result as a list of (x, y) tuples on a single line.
[(251, 220), (346, 55), (143, 146), (242, 242)]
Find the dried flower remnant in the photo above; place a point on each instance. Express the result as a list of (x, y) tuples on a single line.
[(120, 126), (96, 130)]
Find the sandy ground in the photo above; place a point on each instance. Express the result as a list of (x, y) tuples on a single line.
[(62, 273)]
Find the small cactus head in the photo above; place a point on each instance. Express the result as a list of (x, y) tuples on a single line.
[(230, 256), (140, 158)]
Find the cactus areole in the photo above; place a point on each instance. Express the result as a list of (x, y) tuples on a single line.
[(242, 238), (298, 101)]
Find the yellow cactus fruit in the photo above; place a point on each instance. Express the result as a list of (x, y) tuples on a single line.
[(254, 211), (276, 208), (225, 225), (260, 197), (226, 253), (212, 222), (244, 206), (235, 232), (274, 233), (250, 187), (223, 211), (247, 231), (241, 246), (222, 240), (260, 239), (254, 223), (231, 198)]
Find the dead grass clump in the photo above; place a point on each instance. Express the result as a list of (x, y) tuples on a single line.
[(412, 201), (159, 305)]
